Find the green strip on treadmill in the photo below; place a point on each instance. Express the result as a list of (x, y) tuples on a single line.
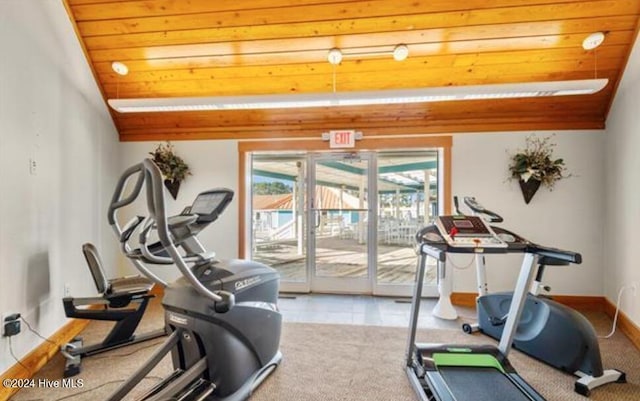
[(466, 359)]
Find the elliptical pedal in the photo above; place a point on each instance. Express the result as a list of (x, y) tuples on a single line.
[(200, 389), (164, 383)]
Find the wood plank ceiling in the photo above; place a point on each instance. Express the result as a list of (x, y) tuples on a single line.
[(216, 48)]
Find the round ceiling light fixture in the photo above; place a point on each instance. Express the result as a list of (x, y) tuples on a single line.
[(400, 52), (119, 68), (592, 41), (334, 56)]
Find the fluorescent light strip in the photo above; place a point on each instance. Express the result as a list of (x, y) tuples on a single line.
[(362, 98)]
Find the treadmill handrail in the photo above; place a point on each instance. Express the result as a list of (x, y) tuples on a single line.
[(156, 204), (436, 253), (555, 253)]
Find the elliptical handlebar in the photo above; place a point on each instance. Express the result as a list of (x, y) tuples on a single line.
[(117, 201), (157, 211)]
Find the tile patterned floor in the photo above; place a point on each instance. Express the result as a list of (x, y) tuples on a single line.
[(362, 310)]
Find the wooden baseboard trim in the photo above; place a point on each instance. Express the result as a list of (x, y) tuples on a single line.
[(581, 303), (626, 325), (37, 358), (466, 299)]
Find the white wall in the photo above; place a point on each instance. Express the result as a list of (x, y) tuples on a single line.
[(213, 164), (569, 217), (622, 166), (51, 111)]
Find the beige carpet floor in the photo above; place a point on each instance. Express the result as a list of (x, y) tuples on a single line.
[(340, 363)]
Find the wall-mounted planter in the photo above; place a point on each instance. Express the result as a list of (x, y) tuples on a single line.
[(529, 188), (173, 186)]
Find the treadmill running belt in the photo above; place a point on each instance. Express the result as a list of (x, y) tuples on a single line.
[(481, 384)]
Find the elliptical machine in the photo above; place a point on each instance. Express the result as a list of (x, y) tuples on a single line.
[(222, 316), (548, 331)]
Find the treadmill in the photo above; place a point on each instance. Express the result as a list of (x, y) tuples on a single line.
[(455, 372)]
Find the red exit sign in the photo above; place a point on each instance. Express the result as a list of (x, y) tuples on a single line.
[(342, 139)]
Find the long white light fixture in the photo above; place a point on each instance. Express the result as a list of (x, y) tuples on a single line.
[(361, 98)]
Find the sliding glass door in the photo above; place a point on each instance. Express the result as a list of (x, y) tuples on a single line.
[(343, 222), (340, 219), (278, 217), (407, 191)]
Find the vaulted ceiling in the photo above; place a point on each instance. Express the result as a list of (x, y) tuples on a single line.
[(178, 48)]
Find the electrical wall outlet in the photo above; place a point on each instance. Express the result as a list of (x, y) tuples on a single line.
[(67, 290), (33, 166), (11, 324)]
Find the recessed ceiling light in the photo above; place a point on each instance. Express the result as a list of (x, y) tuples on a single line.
[(400, 52), (334, 56), (592, 41), (120, 68)]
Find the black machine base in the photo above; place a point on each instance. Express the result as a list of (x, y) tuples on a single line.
[(552, 333), (74, 351)]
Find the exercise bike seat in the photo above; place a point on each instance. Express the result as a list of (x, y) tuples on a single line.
[(115, 297), (131, 285)]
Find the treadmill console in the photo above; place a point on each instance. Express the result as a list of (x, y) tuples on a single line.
[(468, 232)]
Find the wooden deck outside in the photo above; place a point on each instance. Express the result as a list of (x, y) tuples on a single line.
[(340, 257)]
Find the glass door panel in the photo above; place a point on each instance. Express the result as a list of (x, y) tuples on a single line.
[(279, 217), (339, 221), (404, 181)]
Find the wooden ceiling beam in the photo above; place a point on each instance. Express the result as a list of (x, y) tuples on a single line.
[(88, 10), (320, 47), (460, 127), (436, 65), (346, 82), (381, 33), (485, 58), (407, 15)]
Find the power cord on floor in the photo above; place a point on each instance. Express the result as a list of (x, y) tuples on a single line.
[(66, 397), (451, 261), (17, 360), (615, 317), (105, 356), (35, 332)]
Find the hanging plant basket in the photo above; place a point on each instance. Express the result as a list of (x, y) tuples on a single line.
[(529, 188), (173, 168), (173, 186), (535, 165)]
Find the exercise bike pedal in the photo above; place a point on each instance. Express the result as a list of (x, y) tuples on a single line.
[(73, 361), (470, 328)]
